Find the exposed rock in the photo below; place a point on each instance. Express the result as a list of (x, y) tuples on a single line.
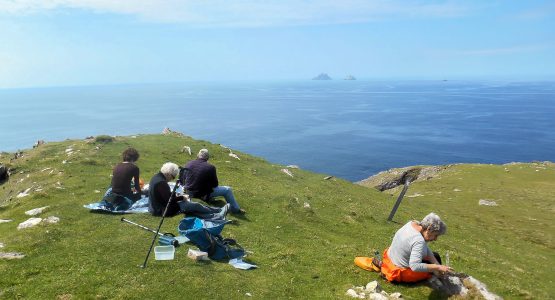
[(38, 143), (24, 193), (186, 149), (166, 130), (4, 221), (322, 76), (1, 245), (373, 287), (396, 295), (234, 156), (293, 167), (352, 293), (456, 190), (415, 195), (4, 174), (328, 177), (36, 211), (487, 202), (475, 283), (286, 171), (377, 296), (51, 220), (394, 177), (306, 205), (11, 255), (29, 223)]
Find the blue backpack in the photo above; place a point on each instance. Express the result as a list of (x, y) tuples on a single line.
[(206, 236)]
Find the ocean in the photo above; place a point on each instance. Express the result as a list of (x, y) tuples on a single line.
[(349, 129)]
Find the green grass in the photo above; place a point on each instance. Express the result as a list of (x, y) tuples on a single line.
[(302, 253)]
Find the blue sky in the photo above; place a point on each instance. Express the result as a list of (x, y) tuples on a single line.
[(88, 42)]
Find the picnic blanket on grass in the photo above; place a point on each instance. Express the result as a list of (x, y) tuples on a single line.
[(139, 207)]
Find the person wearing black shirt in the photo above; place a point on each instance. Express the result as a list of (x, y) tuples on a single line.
[(201, 182), (160, 193), (124, 175)]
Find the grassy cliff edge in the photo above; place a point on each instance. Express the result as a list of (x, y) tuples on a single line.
[(302, 231)]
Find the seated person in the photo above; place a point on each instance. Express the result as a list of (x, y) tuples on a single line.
[(125, 179), (409, 259), (159, 194), (201, 182)]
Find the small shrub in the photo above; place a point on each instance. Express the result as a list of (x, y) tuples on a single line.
[(104, 139)]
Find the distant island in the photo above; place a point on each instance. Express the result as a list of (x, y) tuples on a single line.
[(322, 76), (350, 77)]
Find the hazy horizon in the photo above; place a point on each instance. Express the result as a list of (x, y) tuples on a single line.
[(98, 42)]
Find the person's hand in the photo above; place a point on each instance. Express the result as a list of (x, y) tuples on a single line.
[(444, 269)]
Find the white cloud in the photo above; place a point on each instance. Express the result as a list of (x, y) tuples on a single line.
[(247, 12)]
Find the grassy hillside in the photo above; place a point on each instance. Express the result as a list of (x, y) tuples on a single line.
[(302, 252)]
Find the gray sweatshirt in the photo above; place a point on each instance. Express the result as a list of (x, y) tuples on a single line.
[(408, 248)]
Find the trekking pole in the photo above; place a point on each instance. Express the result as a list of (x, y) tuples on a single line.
[(399, 199), (165, 238), (172, 196)]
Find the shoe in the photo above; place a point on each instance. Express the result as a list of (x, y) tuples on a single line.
[(376, 264), (239, 212), (223, 213)]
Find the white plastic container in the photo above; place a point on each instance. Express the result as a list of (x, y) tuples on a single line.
[(164, 252)]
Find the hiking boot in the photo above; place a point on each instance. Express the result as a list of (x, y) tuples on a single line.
[(239, 212)]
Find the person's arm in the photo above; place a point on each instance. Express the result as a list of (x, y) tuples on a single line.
[(214, 177), (136, 180)]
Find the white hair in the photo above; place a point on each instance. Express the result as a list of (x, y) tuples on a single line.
[(170, 168), (433, 224), (203, 154)]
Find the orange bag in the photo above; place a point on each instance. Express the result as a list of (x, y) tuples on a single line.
[(398, 274), (366, 264)]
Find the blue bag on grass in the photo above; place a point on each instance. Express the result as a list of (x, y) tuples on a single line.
[(206, 236)]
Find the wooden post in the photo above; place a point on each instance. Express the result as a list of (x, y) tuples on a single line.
[(399, 199)]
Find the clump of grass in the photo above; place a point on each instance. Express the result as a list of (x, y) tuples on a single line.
[(104, 139)]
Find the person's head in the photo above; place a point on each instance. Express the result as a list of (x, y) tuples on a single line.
[(432, 227), (130, 155), (203, 154), (170, 170)]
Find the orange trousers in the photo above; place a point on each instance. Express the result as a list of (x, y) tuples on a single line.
[(394, 273)]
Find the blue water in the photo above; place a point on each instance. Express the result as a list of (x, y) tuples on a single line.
[(350, 129)]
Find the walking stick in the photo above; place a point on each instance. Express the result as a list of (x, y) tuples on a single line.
[(172, 196), (399, 199)]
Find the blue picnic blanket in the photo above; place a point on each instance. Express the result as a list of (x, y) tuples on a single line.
[(139, 207)]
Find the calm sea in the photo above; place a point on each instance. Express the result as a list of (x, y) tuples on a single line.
[(350, 129)]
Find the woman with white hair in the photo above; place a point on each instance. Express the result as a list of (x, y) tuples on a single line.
[(409, 259), (160, 193)]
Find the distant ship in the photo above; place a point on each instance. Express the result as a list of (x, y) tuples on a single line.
[(350, 77), (322, 76)]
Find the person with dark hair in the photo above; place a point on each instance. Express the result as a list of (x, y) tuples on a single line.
[(125, 175), (201, 182), (160, 193)]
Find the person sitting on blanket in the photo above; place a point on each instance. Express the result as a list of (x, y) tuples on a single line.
[(159, 194), (409, 259), (124, 175), (201, 182)]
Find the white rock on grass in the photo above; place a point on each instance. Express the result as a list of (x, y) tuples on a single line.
[(396, 295), (186, 149), (415, 195), (483, 289), (306, 205), (286, 171), (1, 245), (373, 287), (293, 167), (486, 202), (36, 211), (29, 223), (377, 296), (11, 255), (4, 221), (352, 293), (234, 156), (456, 190), (24, 193), (51, 220)]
